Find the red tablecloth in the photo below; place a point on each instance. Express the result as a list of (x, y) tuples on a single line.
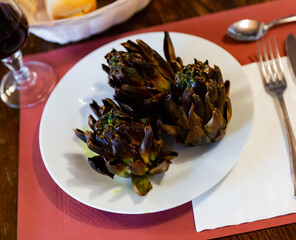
[(46, 212)]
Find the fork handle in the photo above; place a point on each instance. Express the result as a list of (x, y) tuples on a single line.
[(291, 140)]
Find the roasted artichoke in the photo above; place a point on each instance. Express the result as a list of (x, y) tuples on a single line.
[(189, 102), (198, 108), (126, 147), (140, 76)]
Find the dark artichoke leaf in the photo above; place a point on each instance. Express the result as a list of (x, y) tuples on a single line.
[(160, 168), (131, 46), (106, 68), (129, 100), (80, 134), (180, 61), (209, 107), (91, 122), (138, 92), (132, 77), (169, 53), (160, 145), (129, 112), (111, 105), (170, 129), (212, 90), (199, 106), (228, 110), (156, 60), (148, 149), (93, 146), (158, 98), (140, 70), (168, 155), (119, 169), (186, 99), (97, 110), (220, 104), (89, 135), (108, 133), (113, 82), (123, 151), (215, 124), (98, 164), (141, 184), (196, 137), (160, 83), (132, 132), (177, 114), (227, 87), (194, 119), (220, 135), (101, 140), (168, 48), (138, 168), (218, 75), (137, 104)]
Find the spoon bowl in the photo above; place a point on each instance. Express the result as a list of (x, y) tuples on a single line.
[(247, 30), (252, 30)]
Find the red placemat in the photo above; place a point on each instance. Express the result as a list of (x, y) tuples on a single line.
[(46, 212)]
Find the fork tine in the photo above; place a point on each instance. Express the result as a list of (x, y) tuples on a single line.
[(268, 61), (265, 55), (259, 52), (262, 68), (278, 61), (274, 66)]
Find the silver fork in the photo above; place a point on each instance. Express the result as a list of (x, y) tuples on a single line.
[(275, 83)]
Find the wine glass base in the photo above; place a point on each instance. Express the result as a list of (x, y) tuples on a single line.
[(31, 92)]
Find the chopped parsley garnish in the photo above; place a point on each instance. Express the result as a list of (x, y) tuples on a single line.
[(109, 119)]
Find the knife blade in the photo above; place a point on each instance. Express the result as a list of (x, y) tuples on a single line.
[(290, 45)]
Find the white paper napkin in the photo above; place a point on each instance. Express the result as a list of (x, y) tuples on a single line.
[(260, 184)]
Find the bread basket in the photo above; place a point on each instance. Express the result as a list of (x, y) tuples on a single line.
[(77, 28)]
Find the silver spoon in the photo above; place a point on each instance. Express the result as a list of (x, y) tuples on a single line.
[(251, 30)]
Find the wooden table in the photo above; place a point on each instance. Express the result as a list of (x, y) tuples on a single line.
[(158, 12)]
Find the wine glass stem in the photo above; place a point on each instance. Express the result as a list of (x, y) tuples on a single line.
[(20, 72)]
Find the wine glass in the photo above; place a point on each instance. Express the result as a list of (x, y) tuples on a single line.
[(27, 83)]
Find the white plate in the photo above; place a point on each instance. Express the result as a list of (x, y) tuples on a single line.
[(192, 173)]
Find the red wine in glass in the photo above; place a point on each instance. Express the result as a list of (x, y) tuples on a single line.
[(27, 83), (13, 30)]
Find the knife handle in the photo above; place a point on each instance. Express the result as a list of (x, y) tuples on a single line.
[(291, 141)]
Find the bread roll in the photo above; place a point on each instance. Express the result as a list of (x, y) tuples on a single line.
[(60, 9)]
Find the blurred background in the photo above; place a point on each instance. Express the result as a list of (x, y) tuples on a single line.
[(155, 13)]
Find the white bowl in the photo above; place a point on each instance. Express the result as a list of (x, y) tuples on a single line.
[(77, 28)]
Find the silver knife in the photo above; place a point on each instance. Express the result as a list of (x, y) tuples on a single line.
[(291, 51)]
